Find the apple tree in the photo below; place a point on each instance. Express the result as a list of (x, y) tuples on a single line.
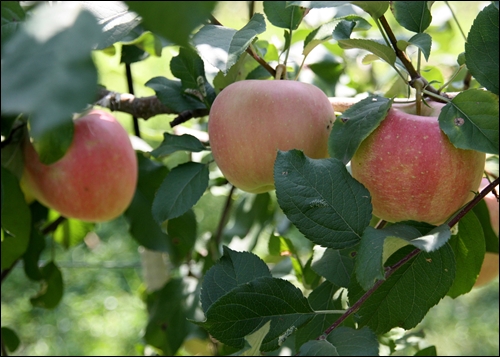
[(251, 241)]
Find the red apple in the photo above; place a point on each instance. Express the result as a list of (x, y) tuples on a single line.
[(413, 171), (489, 269), (95, 180), (251, 120)]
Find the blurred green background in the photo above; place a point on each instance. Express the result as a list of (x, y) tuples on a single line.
[(102, 311)]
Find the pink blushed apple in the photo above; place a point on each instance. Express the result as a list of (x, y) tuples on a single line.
[(95, 180), (251, 120)]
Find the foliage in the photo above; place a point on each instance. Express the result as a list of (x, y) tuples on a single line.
[(307, 267)]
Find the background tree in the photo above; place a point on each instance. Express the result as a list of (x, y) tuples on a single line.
[(250, 270)]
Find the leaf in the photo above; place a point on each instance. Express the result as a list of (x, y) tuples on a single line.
[(232, 270), (52, 289), (222, 46), (283, 16), (16, 220), (424, 42), (172, 143), (62, 77), (481, 48), (420, 283), (412, 15), (384, 52), (114, 17), (374, 8), (469, 248), (182, 232), (12, 17), (321, 199), (168, 308), (354, 342), (470, 121), (143, 227), (317, 348), (180, 190), (355, 125), (255, 339), (174, 20), (428, 351), (247, 307), (9, 337), (147, 42), (170, 93), (333, 265), (482, 213)]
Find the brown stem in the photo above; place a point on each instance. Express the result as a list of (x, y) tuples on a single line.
[(223, 219)]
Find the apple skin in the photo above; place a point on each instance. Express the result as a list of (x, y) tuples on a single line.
[(251, 120), (413, 171), (489, 269), (95, 180)]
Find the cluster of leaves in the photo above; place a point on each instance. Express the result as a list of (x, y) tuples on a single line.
[(244, 305)]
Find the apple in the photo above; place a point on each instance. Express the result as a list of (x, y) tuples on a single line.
[(95, 180), (413, 171), (489, 269), (251, 120)]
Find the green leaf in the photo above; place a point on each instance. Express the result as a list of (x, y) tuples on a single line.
[(168, 310), (355, 125), (247, 307), (232, 270), (354, 342), (255, 339), (180, 190), (12, 17), (283, 16), (384, 52), (428, 351), (114, 17), (170, 93), (374, 8), (483, 214), (172, 143), (62, 77), (471, 121), (70, 232), (174, 20), (182, 232), (420, 283), (481, 48), (424, 42), (52, 289), (317, 348), (143, 227), (9, 337), (16, 220), (469, 248), (147, 42), (412, 15), (321, 199), (336, 266), (222, 46), (35, 247)]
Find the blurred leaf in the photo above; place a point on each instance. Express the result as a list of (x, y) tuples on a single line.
[(322, 199), (168, 310), (483, 214), (12, 17), (374, 8), (428, 351), (384, 52), (469, 248), (255, 339), (32, 255), (283, 16), (222, 46), (355, 125), (247, 307), (115, 19), (481, 48), (333, 265), (71, 232), (354, 342), (132, 54), (182, 232), (232, 270), (172, 143), (9, 337), (52, 288), (174, 20), (170, 93), (180, 190), (189, 68), (420, 283), (317, 348), (412, 15), (16, 220), (143, 227), (471, 121), (62, 77)]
